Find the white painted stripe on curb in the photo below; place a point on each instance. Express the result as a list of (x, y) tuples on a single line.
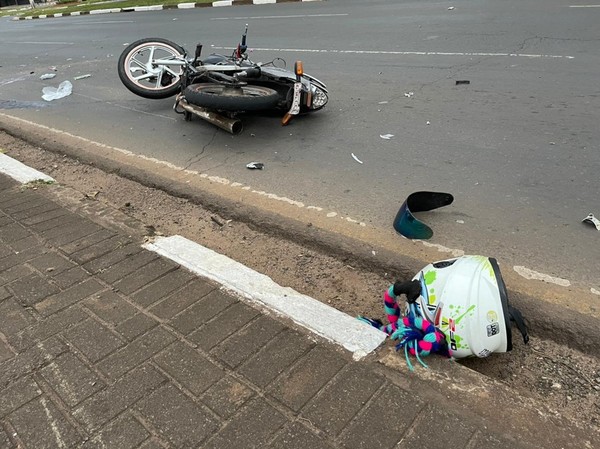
[(331, 324), (263, 2), (102, 11), (186, 5), (20, 171), (223, 3)]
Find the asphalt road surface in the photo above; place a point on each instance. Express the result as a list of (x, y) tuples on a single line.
[(518, 147)]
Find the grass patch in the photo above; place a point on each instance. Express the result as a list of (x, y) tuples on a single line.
[(35, 184), (68, 6)]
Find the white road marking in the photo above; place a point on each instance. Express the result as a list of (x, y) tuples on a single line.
[(279, 17), (402, 53), (21, 172), (534, 275), (584, 6), (331, 324), (38, 43)]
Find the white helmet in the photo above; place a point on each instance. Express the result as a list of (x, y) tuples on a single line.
[(466, 299)]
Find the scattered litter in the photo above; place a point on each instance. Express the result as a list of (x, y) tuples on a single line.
[(255, 165), (460, 221), (383, 102), (386, 136), (428, 122), (217, 221), (80, 77), (92, 196), (462, 82), (552, 143), (252, 135), (442, 313), (69, 59), (592, 220), (450, 8), (407, 225), (356, 159), (52, 93), (47, 76), (408, 94), (374, 253), (175, 18)]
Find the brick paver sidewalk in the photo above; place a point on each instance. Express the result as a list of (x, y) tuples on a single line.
[(106, 345)]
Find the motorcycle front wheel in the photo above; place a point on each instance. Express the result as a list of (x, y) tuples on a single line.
[(234, 99), (146, 79)]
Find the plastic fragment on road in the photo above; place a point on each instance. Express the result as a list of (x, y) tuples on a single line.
[(255, 165), (450, 8), (458, 82), (407, 225), (386, 136), (80, 77), (408, 94), (356, 159), (47, 76), (592, 220), (53, 93)]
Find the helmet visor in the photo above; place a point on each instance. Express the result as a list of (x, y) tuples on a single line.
[(407, 224)]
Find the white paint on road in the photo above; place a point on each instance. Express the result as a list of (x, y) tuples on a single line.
[(21, 172), (534, 275), (584, 6), (325, 321), (38, 43), (402, 53), (279, 17)]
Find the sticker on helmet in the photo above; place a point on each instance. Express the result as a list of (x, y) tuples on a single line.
[(493, 329)]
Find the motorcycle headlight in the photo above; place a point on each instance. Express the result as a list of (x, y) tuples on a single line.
[(319, 98)]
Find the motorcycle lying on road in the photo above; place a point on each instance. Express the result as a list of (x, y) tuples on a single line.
[(218, 88)]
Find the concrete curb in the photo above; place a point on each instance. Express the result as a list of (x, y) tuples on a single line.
[(215, 4), (569, 325)]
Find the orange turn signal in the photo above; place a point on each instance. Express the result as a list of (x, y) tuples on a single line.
[(298, 68)]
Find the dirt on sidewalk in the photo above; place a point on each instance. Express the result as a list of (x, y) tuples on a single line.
[(566, 380)]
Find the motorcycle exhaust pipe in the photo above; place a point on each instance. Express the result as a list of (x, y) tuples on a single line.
[(233, 126)]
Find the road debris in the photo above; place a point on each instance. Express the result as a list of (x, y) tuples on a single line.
[(408, 94), (592, 220), (356, 159), (458, 82), (47, 76), (52, 93), (450, 8), (217, 221), (255, 165), (386, 136), (80, 77), (407, 225), (428, 122)]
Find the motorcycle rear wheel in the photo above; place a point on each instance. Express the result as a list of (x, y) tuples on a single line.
[(148, 80), (246, 98)]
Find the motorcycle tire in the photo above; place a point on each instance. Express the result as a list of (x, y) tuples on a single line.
[(246, 98), (153, 82)]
